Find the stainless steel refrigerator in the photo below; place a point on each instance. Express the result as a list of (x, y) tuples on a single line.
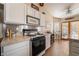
[(1, 23)]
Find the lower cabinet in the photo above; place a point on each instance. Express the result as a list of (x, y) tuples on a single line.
[(47, 41), (18, 49), (74, 47)]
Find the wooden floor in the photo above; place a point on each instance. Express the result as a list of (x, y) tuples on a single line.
[(59, 48)]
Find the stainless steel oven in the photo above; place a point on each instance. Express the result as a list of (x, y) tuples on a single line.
[(38, 45)]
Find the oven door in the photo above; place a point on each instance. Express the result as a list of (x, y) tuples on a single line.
[(38, 45), (35, 46)]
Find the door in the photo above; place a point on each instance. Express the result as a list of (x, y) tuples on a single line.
[(70, 30), (65, 30), (74, 30)]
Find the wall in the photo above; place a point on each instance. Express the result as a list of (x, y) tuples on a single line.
[(48, 20)]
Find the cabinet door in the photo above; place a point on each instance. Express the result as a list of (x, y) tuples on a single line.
[(42, 20), (30, 10), (47, 41), (15, 13), (36, 14), (18, 49)]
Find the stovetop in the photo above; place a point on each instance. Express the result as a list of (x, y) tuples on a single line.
[(35, 35)]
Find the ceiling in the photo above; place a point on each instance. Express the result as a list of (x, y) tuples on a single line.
[(60, 9)]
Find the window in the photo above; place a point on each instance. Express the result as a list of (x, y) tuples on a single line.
[(74, 30)]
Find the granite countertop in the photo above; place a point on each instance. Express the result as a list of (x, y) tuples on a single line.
[(14, 40), (17, 39)]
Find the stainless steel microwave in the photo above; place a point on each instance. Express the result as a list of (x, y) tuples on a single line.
[(32, 20)]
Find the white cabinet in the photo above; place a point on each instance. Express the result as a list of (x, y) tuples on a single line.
[(18, 49), (30, 10), (42, 20), (36, 14), (47, 41), (15, 13)]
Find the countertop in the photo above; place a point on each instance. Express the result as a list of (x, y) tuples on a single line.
[(17, 39)]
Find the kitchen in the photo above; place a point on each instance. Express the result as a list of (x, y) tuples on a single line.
[(25, 29), (39, 29)]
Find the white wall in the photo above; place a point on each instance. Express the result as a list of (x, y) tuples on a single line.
[(48, 20)]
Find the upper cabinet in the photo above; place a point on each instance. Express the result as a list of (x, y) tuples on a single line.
[(42, 19), (36, 14), (32, 11), (15, 13)]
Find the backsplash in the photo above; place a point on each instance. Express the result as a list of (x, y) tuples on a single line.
[(12, 29)]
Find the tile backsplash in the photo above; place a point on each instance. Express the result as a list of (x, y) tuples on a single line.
[(12, 27), (18, 28)]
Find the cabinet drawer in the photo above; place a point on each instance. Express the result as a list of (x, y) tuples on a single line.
[(74, 54), (22, 51), (74, 44), (74, 49), (15, 46)]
